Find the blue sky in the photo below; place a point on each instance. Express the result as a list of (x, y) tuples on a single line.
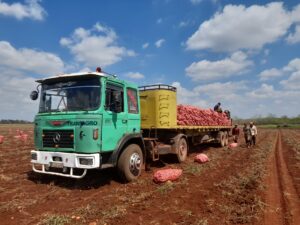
[(244, 54)]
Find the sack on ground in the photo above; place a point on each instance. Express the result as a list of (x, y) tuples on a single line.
[(201, 158), (233, 145), (164, 175)]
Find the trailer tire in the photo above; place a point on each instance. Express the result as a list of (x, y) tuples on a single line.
[(222, 138), (226, 138), (130, 163), (182, 149)]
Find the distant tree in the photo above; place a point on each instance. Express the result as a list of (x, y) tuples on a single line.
[(8, 121)]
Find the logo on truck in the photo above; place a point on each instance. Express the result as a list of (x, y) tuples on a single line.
[(56, 137)]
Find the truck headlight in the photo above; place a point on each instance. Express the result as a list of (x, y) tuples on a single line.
[(86, 161)]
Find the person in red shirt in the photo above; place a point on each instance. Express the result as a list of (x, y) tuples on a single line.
[(235, 133)]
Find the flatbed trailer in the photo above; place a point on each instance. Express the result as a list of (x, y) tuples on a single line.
[(159, 126)]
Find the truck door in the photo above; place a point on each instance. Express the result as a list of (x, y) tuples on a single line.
[(134, 120), (114, 117)]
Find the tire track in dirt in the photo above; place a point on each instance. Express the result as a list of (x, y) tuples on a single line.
[(282, 201)]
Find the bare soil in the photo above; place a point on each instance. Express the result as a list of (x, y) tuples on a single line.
[(259, 185)]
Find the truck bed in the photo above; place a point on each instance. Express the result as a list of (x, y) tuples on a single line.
[(199, 128)]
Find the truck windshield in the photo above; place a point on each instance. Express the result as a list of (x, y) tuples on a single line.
[(71, 95)]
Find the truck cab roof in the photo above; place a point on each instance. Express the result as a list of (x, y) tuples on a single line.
[(71, 75)]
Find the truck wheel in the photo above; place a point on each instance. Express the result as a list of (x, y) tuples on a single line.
[(226, 138), (222, 139), (130, 163), (182, 150)]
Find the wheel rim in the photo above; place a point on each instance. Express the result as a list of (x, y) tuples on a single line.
[(135, 164), (182, 149)]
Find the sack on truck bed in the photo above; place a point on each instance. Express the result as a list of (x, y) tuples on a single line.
[(201, 158), (164, 175), (194, 116)]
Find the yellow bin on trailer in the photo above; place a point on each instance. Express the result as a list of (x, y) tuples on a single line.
[(158, 106)]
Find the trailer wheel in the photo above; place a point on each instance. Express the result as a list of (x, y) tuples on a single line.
[(182, 150), (130, 163), (222, 138), (226, 138)]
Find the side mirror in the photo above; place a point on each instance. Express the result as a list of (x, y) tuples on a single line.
[(34, 95)]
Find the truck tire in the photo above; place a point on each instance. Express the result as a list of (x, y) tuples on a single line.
[(226, 138), (182, 149), (222, 138), (130, 163)]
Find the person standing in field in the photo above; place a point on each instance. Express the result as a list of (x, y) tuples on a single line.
[(247, 135), (253, 130), (236, 133)]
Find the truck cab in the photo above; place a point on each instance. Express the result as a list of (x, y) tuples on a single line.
[(87, 121)]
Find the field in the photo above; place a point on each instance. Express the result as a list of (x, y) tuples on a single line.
[(260, 185)]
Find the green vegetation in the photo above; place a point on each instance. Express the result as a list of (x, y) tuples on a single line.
[(14, 122), (271, 121), (55, 220)]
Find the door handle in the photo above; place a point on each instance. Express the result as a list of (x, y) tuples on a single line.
[(124, 121)]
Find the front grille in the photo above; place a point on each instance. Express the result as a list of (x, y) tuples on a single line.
[(58, 138)]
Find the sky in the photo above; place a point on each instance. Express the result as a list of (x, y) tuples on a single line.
[(244, 54)]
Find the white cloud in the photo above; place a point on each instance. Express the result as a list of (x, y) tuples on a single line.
[(16, 85), (183, 24), (293, 82), (96, 47), (29, 60), (241, 99), (265, 91), (14, 91), (291, 70), (230, 94), (196, 2), (188, 97), (211, 70), (159, 43), (31, 9), (145, 45), (134, 75), (159, 21), (294, 65), (272, 100), (295, 14), (219, 89), (295, 37), (239, 27), (270, 74)]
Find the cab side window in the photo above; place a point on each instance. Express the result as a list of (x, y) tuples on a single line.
[(132, 101), (114, 98)]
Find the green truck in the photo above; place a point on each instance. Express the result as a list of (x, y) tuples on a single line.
[(94, 120)]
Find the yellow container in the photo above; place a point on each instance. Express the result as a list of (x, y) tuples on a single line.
[(158, 106)]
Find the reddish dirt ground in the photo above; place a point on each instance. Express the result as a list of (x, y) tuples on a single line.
[(282, 199), (237, 186)]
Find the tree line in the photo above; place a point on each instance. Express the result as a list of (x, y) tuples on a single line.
[(14, 122), (271, 120)]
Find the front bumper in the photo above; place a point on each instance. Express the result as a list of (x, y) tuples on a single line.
[(67, 162)]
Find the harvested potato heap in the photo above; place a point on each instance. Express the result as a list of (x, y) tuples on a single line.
[(194, 116)]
